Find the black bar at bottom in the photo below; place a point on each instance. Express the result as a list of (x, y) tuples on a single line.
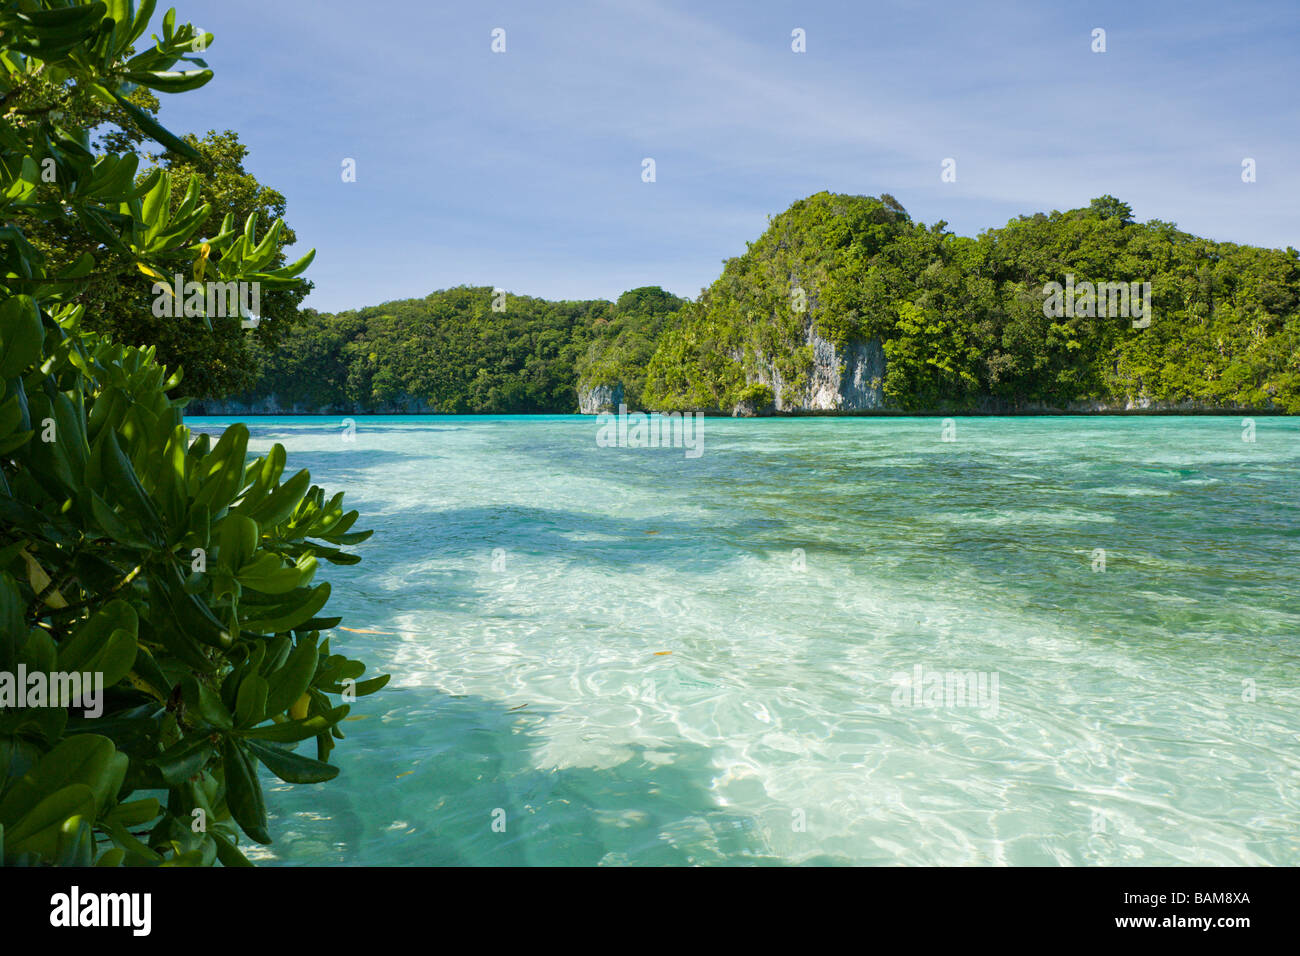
[(348, 906)]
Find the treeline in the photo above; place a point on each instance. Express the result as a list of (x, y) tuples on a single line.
[(466, 349), (962, 320)]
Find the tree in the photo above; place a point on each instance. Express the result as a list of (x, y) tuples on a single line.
[(165, 563), (1108, 207), (215, 355)]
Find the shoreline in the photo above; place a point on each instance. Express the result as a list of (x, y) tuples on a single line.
[(715, 413)]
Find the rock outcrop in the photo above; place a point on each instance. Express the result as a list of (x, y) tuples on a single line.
[(840, 380), (595, 399)]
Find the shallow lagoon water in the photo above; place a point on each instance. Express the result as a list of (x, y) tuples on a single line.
[(526, 587)]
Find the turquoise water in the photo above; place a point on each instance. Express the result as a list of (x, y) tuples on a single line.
[(527, 584)]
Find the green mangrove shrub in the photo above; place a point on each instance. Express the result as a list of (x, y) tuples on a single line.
[(165, 571)]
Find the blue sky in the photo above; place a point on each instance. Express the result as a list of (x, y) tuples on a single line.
[(523, 170)]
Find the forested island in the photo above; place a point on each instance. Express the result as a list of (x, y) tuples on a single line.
[(844, 305)]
